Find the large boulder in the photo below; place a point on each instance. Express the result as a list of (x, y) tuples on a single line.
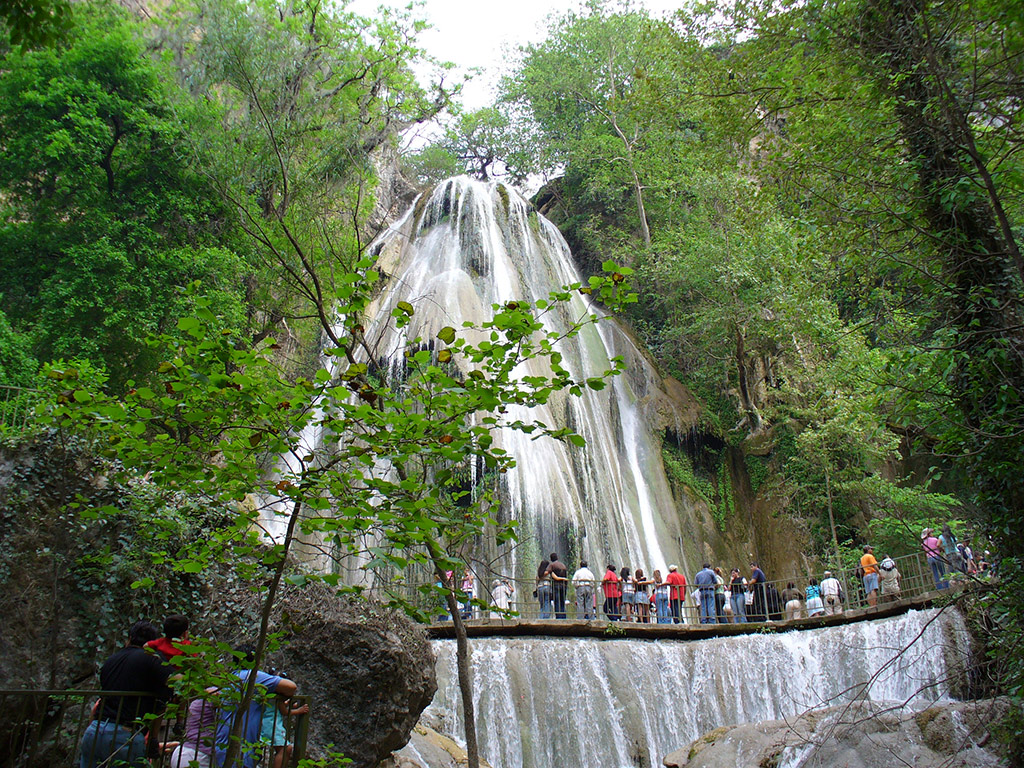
[(858, 735), (368, 670)]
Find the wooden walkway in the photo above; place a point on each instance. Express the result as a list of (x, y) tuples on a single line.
[(606, 630)]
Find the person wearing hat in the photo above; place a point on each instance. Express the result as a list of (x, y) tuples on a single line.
[(933, 551), (676, 594), (869, 571), (831, 594)]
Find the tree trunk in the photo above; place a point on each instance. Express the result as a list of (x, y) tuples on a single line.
[(743, 384), (462, 659), (233, 754), (918, 67), (831, 516)]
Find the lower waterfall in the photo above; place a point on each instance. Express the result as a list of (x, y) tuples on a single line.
[(579, 703)]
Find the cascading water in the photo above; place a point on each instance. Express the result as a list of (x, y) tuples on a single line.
[(469, 245), (555, 703)]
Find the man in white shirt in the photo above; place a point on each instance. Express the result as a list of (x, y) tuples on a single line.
[(583, 581), (830, 594)]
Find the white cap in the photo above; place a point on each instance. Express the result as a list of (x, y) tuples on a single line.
[(672, 568)]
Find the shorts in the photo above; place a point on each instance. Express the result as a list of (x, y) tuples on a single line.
[(628, 598), (272, 728), (870, 582)]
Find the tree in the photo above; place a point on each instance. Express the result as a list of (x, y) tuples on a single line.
[(35, 22), (100, 218), (387, 490), (304, 95), (579, 88)]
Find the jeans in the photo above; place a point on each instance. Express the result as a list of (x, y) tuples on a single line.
[(720, 608), (612, 609), (661, 605), (558, 590), (739, 608), (938, 572), (109, 744), (544, 595), (676, 608), (707, 606), (585, 602)]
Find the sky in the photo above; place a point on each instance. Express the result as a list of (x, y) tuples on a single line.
[(482, 33)]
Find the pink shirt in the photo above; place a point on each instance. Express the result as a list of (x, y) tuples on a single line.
[(931, 546)]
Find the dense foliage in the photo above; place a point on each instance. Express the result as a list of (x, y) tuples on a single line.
[(822, 203)]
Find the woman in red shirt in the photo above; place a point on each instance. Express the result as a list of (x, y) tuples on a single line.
[(612, 594)]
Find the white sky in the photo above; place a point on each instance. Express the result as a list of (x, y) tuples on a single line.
[(482, 33)]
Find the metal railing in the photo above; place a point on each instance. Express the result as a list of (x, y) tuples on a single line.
[(40, 728), (915, 580)]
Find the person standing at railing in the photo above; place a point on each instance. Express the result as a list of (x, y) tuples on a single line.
[(890, 580), (933, 553), (559, 585), (583, 584), (468, 586), (175, 635), (628, 593), (967, 557), (268, 685), (196, 745), (869, 573), (272, 728), (720, 596), (791, 599), (677, 593), (543, 591), (641, 603), (611, 586), (501, 595), (759, 607), (815, 605), (831, 594), (661, 599), (704, 582), (118, 735), (949, 548), (738, 596)]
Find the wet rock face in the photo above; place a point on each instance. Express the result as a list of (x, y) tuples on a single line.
[(861, 735), (369, 673)]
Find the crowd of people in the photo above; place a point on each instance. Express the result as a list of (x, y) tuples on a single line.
[(946, 555), (716, 597), (131, 730)]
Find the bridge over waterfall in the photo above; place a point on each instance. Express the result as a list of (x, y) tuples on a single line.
[(609, 630)]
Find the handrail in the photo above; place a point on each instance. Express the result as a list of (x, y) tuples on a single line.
[(40, 728), (916, 578)]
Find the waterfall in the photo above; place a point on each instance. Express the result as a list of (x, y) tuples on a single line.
[(576, 703), (469, 245)]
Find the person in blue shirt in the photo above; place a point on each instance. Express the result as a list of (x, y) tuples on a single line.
[(268, 689), (705, 582)]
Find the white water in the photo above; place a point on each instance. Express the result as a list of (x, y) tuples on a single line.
[(472, 245), (561, 703)]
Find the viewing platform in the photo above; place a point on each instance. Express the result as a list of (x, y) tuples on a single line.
[(607, 630)]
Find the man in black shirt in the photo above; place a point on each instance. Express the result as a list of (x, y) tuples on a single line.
[(117, 736)]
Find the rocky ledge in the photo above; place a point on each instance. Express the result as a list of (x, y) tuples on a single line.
[(857, 735)]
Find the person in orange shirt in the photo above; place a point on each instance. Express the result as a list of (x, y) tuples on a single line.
[(869, 568)]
